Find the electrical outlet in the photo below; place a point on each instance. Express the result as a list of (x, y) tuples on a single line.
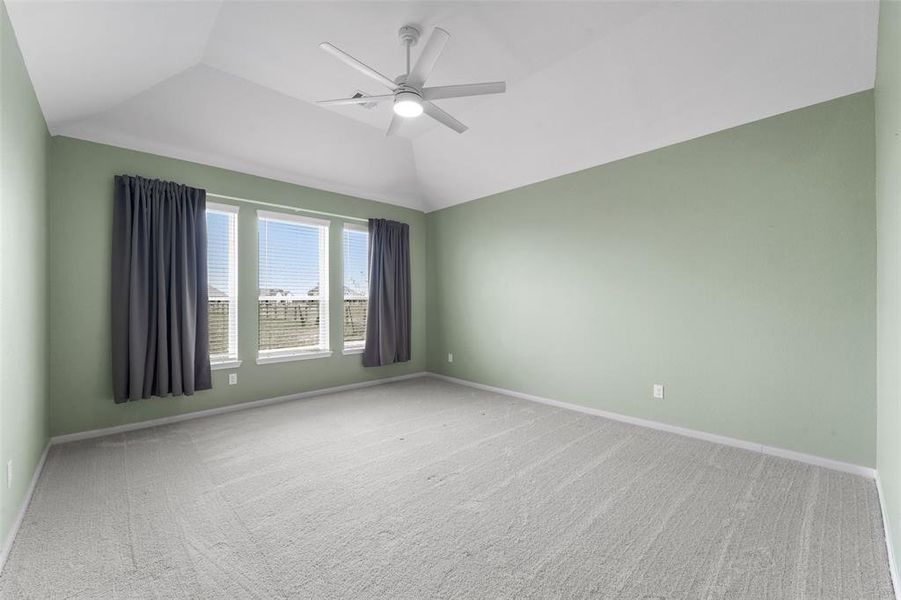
[(232, 378), (9, 473), (450, 357), (658, 391)]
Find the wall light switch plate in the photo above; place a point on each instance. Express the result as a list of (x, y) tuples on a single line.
[(658, 391), (232, 378), (9, 473), (450, 357)]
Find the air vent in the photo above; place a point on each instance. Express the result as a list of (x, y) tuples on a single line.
[(367, 105)]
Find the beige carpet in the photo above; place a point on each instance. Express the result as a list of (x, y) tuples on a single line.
[(426, 489)]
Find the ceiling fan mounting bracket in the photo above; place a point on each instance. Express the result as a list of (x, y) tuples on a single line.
[(409, 35)]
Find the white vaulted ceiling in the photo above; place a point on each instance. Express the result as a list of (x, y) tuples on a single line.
[(233, 84)]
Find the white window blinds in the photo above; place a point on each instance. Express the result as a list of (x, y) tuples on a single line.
[(356, 285), (293, 286), (222, 281)]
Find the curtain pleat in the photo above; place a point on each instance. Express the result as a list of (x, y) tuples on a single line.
[(160, 340), (389, 318)]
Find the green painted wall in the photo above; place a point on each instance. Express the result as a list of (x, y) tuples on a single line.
[(888, 207), (24, 411), (81, 196), (738, 269)]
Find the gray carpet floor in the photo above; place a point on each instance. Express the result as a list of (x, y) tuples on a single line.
[(426, 489)]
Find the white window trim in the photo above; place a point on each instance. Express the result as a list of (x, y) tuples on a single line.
[(268, 359), (356, 346), (230, 360), (280, 355), (364, 227), (223, 208), (292, 218), (324, 287), (229, 364)]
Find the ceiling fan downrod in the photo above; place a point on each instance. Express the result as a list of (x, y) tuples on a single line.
[(409, 36)]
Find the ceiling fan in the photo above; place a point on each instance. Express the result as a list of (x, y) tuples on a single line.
[(410, 97)]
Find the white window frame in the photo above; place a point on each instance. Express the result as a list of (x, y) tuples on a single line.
[(231, 360), (323, 350), (355, 347)]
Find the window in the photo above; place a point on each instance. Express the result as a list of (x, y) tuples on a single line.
[(293, 280), (356, 286), (222, 282)]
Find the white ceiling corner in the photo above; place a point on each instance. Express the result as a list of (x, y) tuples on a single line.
[(84, 57), (233, 84)]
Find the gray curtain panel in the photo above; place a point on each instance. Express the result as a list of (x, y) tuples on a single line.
[(159, 290), (388, 321)]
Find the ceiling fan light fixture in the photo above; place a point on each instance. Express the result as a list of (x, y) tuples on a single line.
[(407, 105), (408, 92)]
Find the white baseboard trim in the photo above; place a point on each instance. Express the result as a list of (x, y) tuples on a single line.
[(84, 435), (893, 569), (710, 437), (11, 536), (692, 433)]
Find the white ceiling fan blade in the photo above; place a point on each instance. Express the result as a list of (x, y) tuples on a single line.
[(359, 66), (359, 100), (394, 125), (428, 57), (442, 117), (466, 89)]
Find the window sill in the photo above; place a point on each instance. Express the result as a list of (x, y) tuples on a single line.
[(348, 351), (267, 360), (226, 364)]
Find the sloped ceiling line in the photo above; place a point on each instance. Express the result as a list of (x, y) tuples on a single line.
[(232, 84)]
